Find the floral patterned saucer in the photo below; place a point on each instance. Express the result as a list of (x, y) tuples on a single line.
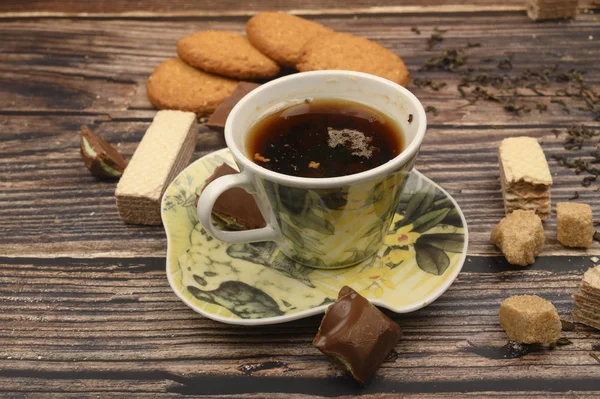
[(254, 284)]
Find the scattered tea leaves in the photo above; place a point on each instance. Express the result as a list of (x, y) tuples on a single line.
[(577, 135), (448, 60), (429, 83), (432, 109), (434, 39), (564, 341), (416, 30), (562, 103), (505, 64), (595, 357), (596, 236), (575, 196)]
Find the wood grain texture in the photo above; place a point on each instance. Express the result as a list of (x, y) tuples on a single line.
[(85, 307), (187, 8), (93, 72), (52, 206), (113, 326)]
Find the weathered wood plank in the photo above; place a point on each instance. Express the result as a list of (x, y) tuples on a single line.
[(113, 325), (204, 6), (51, 206), (102, 66), (187, 8)]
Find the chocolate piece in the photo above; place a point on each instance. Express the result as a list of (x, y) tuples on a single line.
[(101, 158), (356, 336), (235, 207), (218, 118)]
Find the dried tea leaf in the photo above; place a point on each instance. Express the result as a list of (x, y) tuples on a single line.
[(595, 357), (575, 196), (448, 60), (563, 341), (596, 236), (431, 108), (416, 30), (505, 64), (434, 39)]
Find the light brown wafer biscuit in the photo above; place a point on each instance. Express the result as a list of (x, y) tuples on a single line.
[(529, 201), (524, 176), (178, 86), (226, 53), (280, 36), (523, 161), (164, 151), (591, 278), (354, 53), (551, 9), (580, 317), (589, 292), (590, 313), (589, 306), (513, 192)]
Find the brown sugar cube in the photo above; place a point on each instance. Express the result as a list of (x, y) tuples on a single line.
[(520, 236), (539, 10), (575, 224), (525, 176), (530, 319)]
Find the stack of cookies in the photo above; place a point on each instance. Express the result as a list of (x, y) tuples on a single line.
[(210, 64), (525, 176), (587, 299)]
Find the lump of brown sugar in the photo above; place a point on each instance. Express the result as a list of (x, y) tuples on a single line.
[(530, 319), (575, 224), (520, 236)]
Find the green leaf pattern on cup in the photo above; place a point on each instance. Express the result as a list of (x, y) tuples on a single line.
[(257, 280)]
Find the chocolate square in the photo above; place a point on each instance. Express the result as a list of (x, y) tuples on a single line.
[(218, 118), (356, 336), (235, 207)]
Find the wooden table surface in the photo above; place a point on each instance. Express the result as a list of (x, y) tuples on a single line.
[(85, 307)]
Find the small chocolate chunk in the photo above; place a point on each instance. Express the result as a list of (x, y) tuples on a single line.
[(356, 336), (218, 118), (101, 158), (235, 207)]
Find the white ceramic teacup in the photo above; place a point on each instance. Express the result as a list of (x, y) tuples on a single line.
[(320, 222)]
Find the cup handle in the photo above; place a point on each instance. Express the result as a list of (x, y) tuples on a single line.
[(207, 200)]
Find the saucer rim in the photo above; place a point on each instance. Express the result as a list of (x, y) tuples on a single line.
[(319, 309)]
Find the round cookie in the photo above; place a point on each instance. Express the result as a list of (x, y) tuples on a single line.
[(353, 53), (226, 53), (176, 85), (281, 36)]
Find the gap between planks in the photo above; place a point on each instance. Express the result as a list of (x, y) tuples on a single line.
[(246, 13)]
